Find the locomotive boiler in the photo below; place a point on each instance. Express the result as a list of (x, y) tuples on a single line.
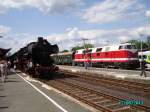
[(35, 58)]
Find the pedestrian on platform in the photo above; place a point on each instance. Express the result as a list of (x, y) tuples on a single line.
[(3, 70), (8, 67), (87, 64), (143, 66)]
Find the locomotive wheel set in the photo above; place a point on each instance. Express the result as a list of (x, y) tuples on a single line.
[(35, 58), (118, 56)]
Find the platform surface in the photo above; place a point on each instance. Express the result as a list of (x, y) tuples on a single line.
[(109, 72), (17, 95)]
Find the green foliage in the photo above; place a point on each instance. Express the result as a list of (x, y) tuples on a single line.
[(89, 45), (136, 42), (82, 47), (77, 48), (145, 45), (148, 44), (65, 51)]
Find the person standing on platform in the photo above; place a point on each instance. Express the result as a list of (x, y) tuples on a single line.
[(143, 66), (86, 65), (3, 70), (8, 67)]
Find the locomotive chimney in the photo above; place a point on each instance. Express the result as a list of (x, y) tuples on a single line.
[(40, 39)]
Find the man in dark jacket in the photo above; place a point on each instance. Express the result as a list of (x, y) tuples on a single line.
[(143, 66)]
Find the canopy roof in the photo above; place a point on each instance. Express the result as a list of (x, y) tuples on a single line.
[(3, 52)]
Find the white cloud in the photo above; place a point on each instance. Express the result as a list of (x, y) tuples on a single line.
[(113, 10), (16, 41), (147, 13), (46, 6), (73, 36), (124, 38), (144, 30), (99, 37), (4, 29)]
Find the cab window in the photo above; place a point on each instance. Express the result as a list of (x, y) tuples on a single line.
[(128, 47), (120, 47), (133, 47)]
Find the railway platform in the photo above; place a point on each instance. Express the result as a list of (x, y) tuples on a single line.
[(133, 75), (20, 93)]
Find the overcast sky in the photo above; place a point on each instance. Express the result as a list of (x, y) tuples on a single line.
[(66, 22)]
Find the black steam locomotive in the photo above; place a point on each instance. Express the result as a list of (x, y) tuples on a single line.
[(35, 58)]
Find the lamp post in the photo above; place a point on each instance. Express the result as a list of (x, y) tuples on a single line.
[(141, 54), (84, 43), (141, 35)]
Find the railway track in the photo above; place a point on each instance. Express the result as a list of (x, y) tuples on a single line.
[(121, 84), (101, 101)]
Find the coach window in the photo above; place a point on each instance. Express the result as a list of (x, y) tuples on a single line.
[(98, 49)]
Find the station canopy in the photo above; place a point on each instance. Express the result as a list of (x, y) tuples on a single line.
[(3, 52)]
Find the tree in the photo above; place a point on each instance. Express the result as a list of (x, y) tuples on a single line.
[(89, 45), (148, 42), (64, 51), (138, 44), (82, 47), (77, 48)]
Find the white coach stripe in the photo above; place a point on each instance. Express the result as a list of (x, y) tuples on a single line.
[(51, 100), (110, 59)]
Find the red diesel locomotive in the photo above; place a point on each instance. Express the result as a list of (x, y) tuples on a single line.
[(118, 56)]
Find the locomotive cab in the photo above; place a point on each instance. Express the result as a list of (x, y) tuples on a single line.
[(130, 53), (128, 47)]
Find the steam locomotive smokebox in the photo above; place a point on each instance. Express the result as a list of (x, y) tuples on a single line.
[(41, 52)]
